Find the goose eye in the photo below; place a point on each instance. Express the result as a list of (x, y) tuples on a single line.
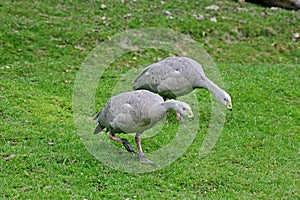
[(225, 99), (183, 108)]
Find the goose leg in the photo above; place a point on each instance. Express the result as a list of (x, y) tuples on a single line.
[(140, 150), (179, 118), (125, 142)]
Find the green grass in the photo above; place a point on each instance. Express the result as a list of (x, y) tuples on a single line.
[(42, 48)]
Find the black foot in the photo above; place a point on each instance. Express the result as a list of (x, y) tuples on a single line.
[(128, 146), (181, 121)]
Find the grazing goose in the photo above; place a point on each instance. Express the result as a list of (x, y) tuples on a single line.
[(135, 112), (177, 76)]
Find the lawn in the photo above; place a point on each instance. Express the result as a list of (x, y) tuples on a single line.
[(255, 49)]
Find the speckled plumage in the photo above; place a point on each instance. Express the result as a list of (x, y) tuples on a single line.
[(171, 77), (130, 112)]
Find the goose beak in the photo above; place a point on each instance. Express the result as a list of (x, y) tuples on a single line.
[(191, 115), (229, 106)]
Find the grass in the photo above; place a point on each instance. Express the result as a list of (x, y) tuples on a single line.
[(42, 48)]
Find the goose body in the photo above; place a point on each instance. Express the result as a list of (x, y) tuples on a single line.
[(178, 76), (135, 112)]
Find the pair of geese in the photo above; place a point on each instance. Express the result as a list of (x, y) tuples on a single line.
[(141, 109)]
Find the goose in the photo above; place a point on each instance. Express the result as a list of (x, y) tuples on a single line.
[(177, 76), (136, 112)]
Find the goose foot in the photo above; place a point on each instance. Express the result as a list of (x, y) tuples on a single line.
[(143, 159), (128, 146)]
